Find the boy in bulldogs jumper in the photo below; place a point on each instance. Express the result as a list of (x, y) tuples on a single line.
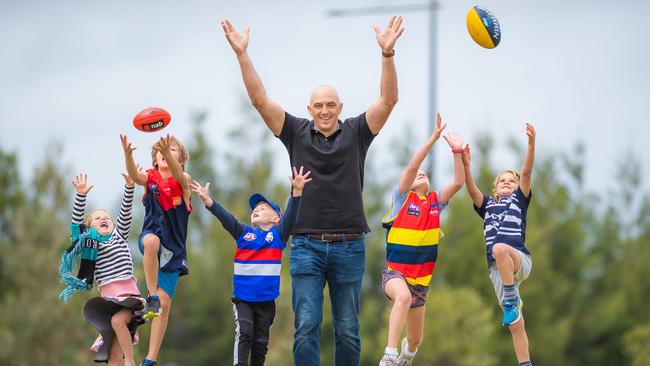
[(256, 282)]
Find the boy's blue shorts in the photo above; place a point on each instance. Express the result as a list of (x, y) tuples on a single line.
[(167, 281)]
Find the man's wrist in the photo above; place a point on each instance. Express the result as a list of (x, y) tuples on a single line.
[(457, 151), (241, 54), (388, 54)]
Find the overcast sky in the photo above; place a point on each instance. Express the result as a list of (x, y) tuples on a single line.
[(78, 71)]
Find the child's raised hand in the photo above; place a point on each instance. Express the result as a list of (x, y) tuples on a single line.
[(439, 127), (164, 144), (127, 179), (455, 140), (80, 182), (299, 180), (466, 155), (126, 145), (530, 132), (202, 191)]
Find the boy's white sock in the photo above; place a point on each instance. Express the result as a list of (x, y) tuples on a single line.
[(406, 351), (391, 352)]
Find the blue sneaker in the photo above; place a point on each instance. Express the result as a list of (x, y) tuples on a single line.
[(512, 311), (148, 362)]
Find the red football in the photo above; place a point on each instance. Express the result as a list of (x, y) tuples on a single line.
[(152, 119)]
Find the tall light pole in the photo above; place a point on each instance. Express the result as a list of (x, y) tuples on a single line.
[(431, 8)]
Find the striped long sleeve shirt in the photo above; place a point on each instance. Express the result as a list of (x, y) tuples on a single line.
[(114, 261)]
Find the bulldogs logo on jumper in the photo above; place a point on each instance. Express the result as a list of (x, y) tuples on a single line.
[(413, 210), (250, 237), (269, 237)]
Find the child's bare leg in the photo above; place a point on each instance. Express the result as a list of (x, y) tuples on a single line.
[(119, 323), (151, 244), (159, 326), (398, 291), (508, 262), (415, 328), (520, 340), (115, 355)]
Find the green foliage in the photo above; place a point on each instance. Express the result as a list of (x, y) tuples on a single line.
[(586, 299), (637, 345)]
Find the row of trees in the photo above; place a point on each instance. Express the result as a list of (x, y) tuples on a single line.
[(586, 299)]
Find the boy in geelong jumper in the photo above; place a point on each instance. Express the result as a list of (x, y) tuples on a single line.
[(256, 282), (504, 225)]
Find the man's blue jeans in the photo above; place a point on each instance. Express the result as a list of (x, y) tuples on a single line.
[(341, 265)]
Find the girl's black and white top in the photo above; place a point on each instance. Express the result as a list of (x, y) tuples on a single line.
[(114, 261)]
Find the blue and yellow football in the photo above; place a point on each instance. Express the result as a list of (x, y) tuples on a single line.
[(484, 27)]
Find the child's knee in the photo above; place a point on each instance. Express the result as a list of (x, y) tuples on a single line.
[(402, 299), (500, 250), (165, 301), (119, 320), (246, 330), (151, 242)]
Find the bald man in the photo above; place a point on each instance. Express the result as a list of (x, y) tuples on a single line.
[(328, 239)]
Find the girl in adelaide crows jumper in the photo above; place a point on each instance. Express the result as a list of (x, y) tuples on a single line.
[(256, 282), (413, 225), (106, 258)]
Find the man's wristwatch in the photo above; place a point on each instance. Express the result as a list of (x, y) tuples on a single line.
[(388, 54)]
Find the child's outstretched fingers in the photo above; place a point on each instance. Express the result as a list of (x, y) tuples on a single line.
[(299, 177), (530, 132), (80, 182), (439, 127), (164, 144), (455, 140), (203, 192), (126, 145), (129, 182)]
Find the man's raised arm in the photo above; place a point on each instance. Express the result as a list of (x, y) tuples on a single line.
[(271, 112), (378, 112)]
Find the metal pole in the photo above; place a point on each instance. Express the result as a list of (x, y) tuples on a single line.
[(433, 39), (431, 6)]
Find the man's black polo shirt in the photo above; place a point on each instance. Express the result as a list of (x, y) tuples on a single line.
[(332, 202)]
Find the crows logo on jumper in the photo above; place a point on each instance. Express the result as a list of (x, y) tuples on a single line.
[(434, 210), (250, 236), (413, 210)]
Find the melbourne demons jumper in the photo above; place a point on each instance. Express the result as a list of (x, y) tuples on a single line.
[(412, 238), (166, 216)]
